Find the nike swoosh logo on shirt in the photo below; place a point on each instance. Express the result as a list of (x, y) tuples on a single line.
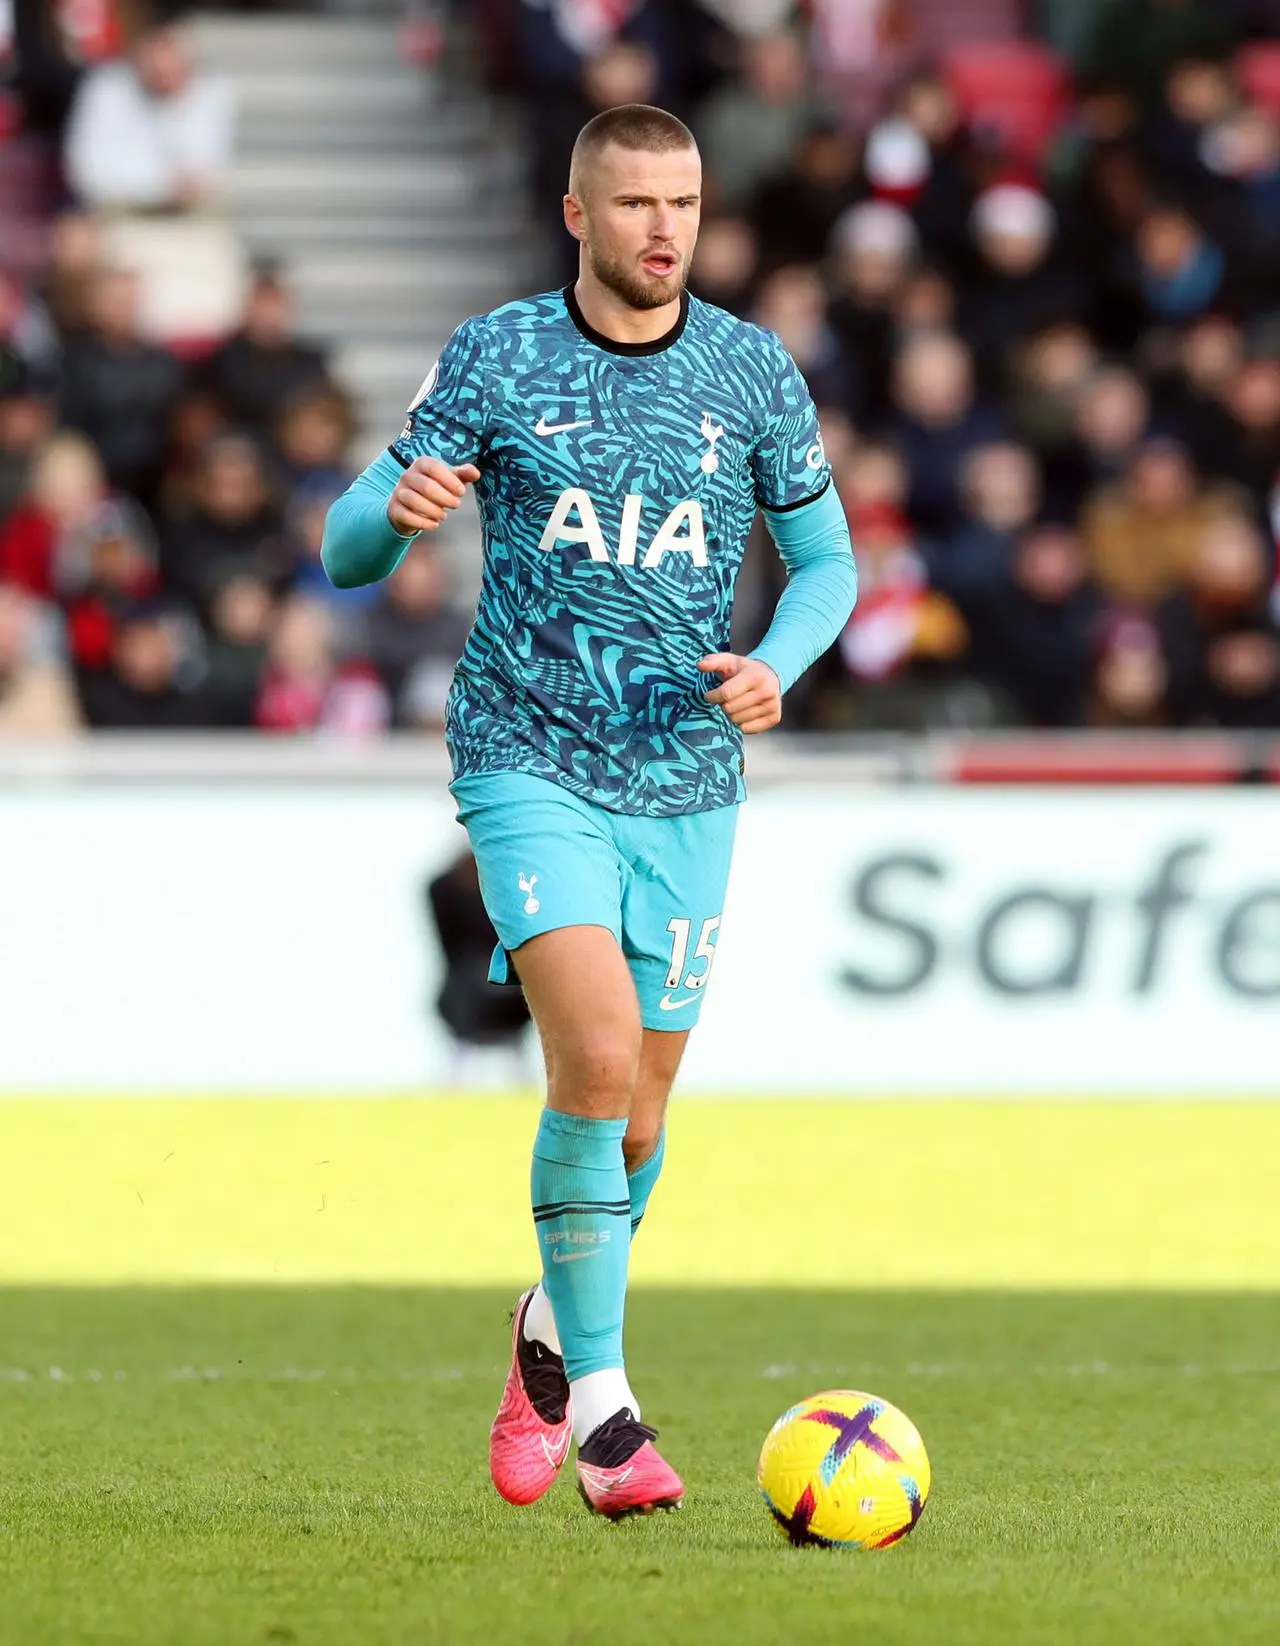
[(544, 428), (573, 1257), (666, 1004)]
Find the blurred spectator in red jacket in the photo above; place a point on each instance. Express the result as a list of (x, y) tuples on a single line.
[(102, 572), (307, 689), (66, 486)]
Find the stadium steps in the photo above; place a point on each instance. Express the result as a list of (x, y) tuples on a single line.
[(390, 303), (394, 194)]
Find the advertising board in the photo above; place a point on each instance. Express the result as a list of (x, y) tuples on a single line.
[(268, 938)]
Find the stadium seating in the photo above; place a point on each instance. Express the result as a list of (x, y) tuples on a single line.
[(1017, 89)]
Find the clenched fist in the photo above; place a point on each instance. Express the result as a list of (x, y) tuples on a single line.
[(750, 694), (426, 492)]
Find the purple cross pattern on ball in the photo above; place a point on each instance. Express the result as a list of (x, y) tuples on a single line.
[(851, 1431)]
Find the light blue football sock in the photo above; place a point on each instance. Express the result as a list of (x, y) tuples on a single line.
[(582, 1212), (539, 1320), (640, 1182)]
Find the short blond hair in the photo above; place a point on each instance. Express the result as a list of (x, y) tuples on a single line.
[(638, 127)]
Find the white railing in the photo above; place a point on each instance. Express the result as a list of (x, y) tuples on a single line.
[(777, 759)]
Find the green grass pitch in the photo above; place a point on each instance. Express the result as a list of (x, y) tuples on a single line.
[(250, 1350), (249, 1464)]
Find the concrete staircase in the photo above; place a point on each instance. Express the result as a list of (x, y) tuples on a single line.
[(393, 193)]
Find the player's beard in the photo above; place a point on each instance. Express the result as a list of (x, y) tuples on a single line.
[(636, 288)]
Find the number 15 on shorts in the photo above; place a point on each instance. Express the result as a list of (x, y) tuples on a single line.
[(681, 931)]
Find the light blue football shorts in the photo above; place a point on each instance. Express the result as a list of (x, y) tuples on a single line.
[(549, 859)]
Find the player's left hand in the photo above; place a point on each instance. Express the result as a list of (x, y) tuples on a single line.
[(749, 694)]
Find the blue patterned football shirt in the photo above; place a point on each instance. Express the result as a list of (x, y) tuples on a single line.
[(618, 485)]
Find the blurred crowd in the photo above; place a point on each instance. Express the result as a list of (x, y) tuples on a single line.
[(1026, 254), (169, 445), (1027, 257)]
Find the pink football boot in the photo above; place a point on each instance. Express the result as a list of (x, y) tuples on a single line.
[(621, 1472), (530, 1436)]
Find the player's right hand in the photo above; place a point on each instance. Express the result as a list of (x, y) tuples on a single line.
[(427, 490)]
